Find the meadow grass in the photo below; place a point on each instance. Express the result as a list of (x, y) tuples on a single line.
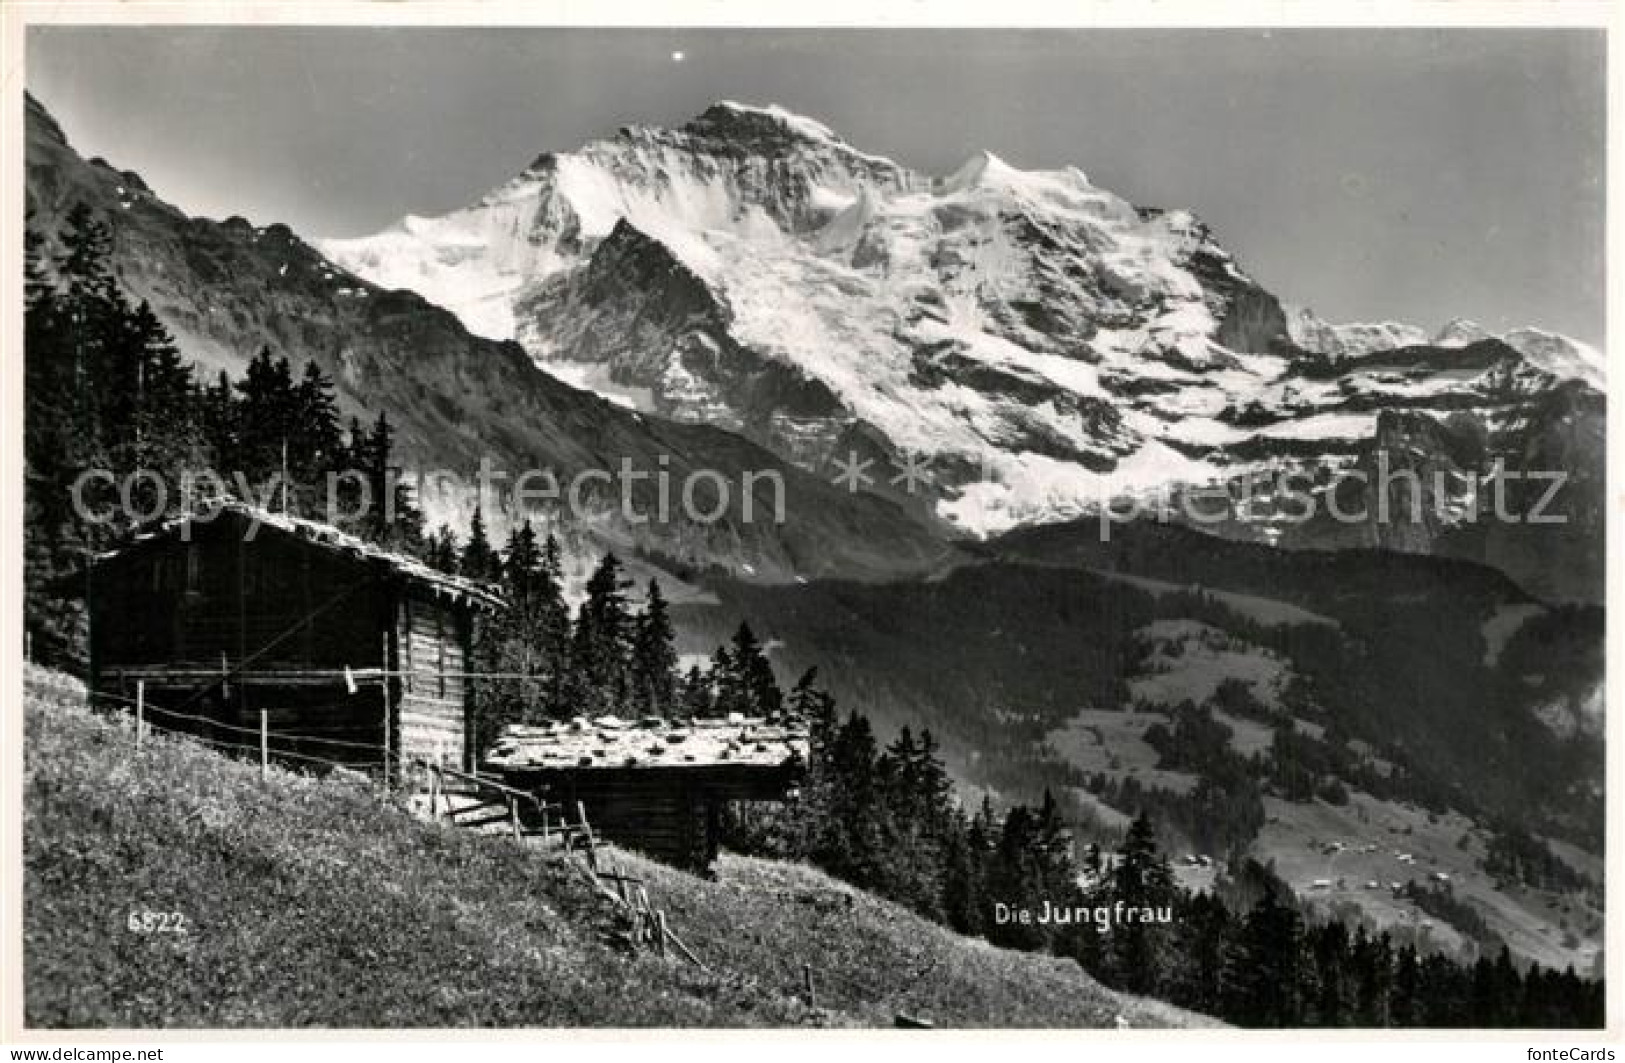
[(314, 902)]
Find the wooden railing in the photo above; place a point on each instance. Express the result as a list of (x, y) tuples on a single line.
[(498, 802)]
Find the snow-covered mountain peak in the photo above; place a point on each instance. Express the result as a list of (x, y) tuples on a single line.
[(1045, 341), (1459, 332), (1066, 189), (773, 131), (1550, 352), (730, 117), (1351, 339), (1562, 357), (1556, 355), (750, 173), (982, 168)]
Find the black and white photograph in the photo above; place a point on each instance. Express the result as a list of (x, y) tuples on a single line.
[(543, 527)]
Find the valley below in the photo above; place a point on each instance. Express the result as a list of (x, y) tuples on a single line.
[(1298, 723)]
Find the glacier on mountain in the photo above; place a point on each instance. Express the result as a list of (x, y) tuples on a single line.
[(1048, 343)]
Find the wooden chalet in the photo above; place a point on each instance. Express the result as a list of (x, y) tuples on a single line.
[(348, 649), (657, 786)]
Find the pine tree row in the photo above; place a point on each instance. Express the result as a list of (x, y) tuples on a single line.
[(610, 658), (107, 389), (886, 819)]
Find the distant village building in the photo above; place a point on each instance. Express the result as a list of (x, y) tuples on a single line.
[(348, 648), (657, 786)]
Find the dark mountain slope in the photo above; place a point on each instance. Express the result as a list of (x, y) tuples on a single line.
[(1396, 650), (226, 289)]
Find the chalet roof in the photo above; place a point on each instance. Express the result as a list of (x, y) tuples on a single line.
[(611, 742), (326, 537)]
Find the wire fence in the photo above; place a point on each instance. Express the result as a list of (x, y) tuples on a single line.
[(271, 744)]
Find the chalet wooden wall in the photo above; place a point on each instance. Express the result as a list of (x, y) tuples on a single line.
[(664, 817), (432, 712), (187, 604), (670, 813), (225, 626)]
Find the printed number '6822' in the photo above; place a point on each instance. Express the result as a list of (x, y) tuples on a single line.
[(144, 922)]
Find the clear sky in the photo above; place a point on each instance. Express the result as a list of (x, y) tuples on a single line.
[(1418, 175)]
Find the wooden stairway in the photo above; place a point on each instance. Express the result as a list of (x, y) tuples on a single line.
[(470, 802)]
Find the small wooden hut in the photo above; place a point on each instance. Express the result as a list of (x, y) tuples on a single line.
[(348, 649), (657, 786)]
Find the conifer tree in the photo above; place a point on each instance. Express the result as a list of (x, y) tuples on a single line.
[(815, 815), (266, 417), (859, 808), (155, 421), (1203, 929), (553, 560), (1016, 879), (1333, 1002), (54, 446), (91, 311), (219, 421), (601, 642), (440, 550), (1373, 962), (914, 815), (697, 697), (479, 561), (316, 445), (520, 642), (38, 292), (654, 657), (963, 894), (389, 520), (745, 680), (1264, 970), (1406, 1006), (522, 561), (86, 245), (727, 693), (1141, 880), (550, 625)]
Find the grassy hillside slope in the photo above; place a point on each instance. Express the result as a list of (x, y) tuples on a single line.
[(316, 903)]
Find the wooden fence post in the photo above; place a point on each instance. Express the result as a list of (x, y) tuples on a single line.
[(807, 985), (513, 818), (660, 933), (688, 953), (265, 743), (140, 711), (586, 831), (389, 745), (621, 886)]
